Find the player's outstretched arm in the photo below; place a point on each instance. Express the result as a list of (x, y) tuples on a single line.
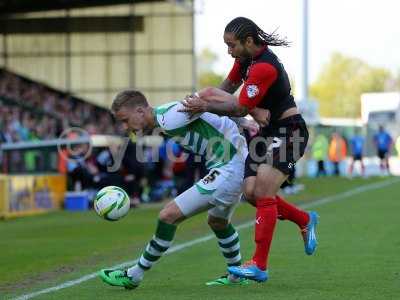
[(210, 94), (229, 86), (216, 101), (215, 94)]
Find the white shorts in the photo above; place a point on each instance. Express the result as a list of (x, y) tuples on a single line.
[(218, 192)]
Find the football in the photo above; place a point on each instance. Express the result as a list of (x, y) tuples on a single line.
[(111, 203)]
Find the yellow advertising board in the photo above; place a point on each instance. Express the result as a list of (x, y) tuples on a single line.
[(22, 195)]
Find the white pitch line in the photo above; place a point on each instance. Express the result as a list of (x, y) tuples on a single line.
[(182, 246)]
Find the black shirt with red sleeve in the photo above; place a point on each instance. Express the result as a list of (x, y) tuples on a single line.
[(266, 83)]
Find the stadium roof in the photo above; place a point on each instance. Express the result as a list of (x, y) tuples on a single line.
[(23, 6)]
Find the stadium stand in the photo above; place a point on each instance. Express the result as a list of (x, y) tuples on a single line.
[(32, 109), (33, 114)]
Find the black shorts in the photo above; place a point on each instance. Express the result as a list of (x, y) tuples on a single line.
[(281, 145), (357, 157), (382, 154)]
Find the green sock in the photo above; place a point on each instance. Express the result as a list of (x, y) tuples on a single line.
[(158, 245), (229, 244), (165, 231)]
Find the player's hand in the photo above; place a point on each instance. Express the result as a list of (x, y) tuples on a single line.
[(261, 116), (193, 104), (250, 125)]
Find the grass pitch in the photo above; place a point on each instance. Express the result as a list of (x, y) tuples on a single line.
[(358, 255)]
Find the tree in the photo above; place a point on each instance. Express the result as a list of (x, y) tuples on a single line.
[(341, 83), (209, 79), (206, 76)]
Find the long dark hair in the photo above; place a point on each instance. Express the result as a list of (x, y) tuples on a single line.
[(243, 28)]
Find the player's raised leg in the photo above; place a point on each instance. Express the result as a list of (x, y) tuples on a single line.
[(306, 221)]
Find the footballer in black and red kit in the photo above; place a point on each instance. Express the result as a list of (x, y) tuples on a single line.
[(281, 141), (266, 85)]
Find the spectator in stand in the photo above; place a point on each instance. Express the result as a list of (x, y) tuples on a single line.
[(2, 136), (383, 143), (81, 171)]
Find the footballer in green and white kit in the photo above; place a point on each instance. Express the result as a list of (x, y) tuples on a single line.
[(225, 149), (219, 140)]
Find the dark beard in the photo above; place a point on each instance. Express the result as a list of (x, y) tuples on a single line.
[(245, 60)]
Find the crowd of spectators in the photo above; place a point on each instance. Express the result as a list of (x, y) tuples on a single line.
[(31, 110), (18, 125)]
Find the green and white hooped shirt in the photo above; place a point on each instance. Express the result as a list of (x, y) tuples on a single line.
[(216, 137)]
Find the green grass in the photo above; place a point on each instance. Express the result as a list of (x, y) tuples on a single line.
[(358, 256)]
